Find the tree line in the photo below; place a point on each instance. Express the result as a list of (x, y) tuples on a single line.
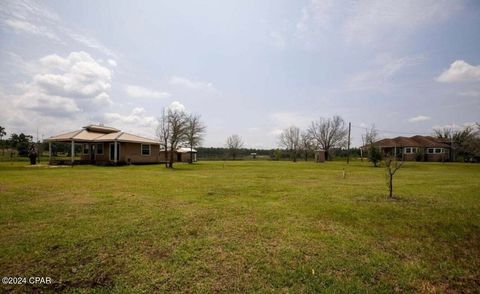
[(20, 142)]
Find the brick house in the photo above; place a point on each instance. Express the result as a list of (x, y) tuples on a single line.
[(421, 148), (104, 145)]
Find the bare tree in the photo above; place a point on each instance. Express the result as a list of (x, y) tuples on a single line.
[(2, 133), (370, 135), (392, 165), (368, 139), (234, 143), (329, 133), (163, 132), (195, 132), (290, 139), (306, 144), (445, 133), (178, 123)]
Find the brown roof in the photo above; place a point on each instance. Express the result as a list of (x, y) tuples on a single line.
[(100, 134), (415, 141)]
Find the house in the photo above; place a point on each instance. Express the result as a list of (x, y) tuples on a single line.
[(110, 146), (182, 154), (420, 148)]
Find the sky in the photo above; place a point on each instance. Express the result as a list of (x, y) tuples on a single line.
[(248, 67)]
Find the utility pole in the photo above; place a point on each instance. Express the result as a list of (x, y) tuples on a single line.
[(38, 147), (348, 145)]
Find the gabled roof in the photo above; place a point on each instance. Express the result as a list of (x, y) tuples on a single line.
[(94, 134), (415, 141)]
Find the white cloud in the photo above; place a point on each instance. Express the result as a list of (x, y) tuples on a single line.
[(62, 86), (137, 117), (193, 85), (419, 118), (177, 106), (25, 26), (141, 92), (112, 62), (47, 104), (460, 71), (78, 75)]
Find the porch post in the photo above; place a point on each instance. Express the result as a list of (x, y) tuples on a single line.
[(115, 152), (49, 152), (73, 151)]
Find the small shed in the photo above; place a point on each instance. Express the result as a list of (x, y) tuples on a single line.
[(320, 156)]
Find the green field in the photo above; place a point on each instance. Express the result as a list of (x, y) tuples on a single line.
[(245, 226)]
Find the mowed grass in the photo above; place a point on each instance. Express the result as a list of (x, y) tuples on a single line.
[(249, 226)]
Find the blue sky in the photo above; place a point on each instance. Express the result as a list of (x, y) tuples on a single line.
[(248, 67)]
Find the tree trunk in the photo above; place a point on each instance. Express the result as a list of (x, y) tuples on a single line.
[(294, 156), (166, 153), (191, 155), (306, 155), (170, 162), (390, 186)]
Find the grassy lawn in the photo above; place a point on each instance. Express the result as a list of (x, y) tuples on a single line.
[(256, 226)]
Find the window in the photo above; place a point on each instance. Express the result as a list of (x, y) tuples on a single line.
[(85, 148), (99, 149), (434, 150), (410, 150), (146, 150)]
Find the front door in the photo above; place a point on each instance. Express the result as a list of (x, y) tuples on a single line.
[(112, 151)]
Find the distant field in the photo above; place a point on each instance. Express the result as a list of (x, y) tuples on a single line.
[(256, 226)]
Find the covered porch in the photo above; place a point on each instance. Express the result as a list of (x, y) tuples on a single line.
[(82, 152), (103, 146)]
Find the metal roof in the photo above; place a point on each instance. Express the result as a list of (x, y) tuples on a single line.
[(181, 150), (101, 134)]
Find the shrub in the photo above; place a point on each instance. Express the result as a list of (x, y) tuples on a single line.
[(374, 155)]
